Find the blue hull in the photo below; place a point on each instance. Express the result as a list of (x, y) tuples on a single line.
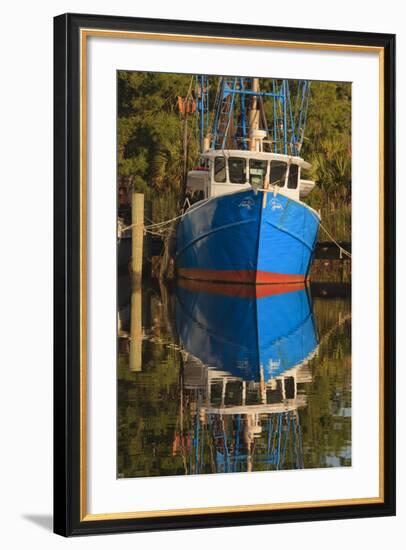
[(236, 238), (245, 335)]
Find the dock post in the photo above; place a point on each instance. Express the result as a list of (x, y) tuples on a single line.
[(137, 234), (135, 363), (137, 212)]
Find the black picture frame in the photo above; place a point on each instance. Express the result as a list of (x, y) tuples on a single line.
[(67, 354)]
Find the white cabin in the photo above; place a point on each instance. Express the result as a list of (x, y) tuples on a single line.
[(227, 171)]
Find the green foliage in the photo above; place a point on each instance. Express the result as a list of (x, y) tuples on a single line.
[(150, 131), (327, 146)]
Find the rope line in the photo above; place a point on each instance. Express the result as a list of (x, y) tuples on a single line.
[(343, 250), (167, 222)]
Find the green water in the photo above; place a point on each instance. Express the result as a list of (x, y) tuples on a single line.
[(164, 394)]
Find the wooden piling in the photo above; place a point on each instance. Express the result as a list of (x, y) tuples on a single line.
[(137, 212), (135, 362)]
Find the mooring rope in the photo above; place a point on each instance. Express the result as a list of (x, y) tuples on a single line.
[(159, 225), (343, 250)]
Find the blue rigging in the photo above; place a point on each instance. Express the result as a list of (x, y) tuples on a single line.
[(280, 114)]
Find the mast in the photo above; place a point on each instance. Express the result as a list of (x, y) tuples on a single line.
[(253, 117)]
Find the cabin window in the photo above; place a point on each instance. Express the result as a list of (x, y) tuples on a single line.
[(275, 395), (289, 387), (233, 395), (237, 170), (257, 171), (220, 169), (278, 173), (293, 176), (216, 391)]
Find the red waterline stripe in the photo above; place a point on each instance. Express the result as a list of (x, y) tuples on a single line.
[(240, 290), (239, 276)]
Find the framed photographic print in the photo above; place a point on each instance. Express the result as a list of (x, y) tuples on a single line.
[(224, 274)]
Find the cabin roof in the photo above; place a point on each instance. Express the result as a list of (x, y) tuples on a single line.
[(241, 153)]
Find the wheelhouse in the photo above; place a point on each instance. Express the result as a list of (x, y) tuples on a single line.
[(226, 171)]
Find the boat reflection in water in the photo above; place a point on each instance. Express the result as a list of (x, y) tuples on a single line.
[(245, 353)]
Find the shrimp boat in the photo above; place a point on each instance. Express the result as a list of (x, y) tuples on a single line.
[(245, 220)]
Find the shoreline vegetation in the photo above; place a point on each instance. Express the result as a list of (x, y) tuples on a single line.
[(151, 135)]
